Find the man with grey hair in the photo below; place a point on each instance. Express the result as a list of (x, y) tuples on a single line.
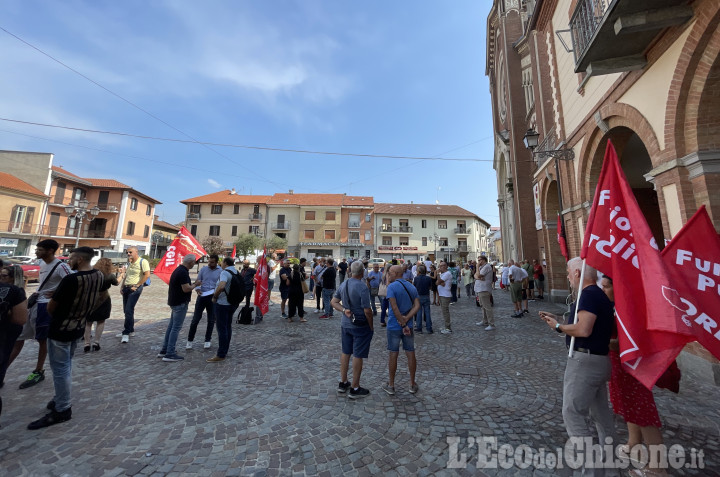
[(179, 295), (483, 290), (588, 369)]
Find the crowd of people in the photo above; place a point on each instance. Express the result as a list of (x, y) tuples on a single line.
[(73, 296)]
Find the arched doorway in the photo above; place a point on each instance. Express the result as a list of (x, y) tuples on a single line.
[(635, 162), (556, 285)]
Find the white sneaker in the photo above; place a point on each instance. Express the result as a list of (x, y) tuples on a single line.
[(479, 323), (271, 304), (207, 345), (188, 345), (316, 310), (312, 297), (120, 335), (125, 339), (490, 328), (445, 331)]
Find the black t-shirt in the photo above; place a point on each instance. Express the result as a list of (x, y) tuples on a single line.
[(284, 271), (76, 297), (595, 301), (176, 295), (247, 275), (342, 266), (328, 278), (10, 295)]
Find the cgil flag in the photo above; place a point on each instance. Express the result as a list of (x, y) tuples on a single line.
[(618, 242), (184, 244), (262, 297)]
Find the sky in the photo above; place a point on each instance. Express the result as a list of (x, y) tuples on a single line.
[(399, 78)]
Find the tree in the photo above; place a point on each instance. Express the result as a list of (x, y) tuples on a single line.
[(213, 245), (247, 244), (276, 243)]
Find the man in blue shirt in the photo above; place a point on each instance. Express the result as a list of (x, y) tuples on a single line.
[(356, 329), (423, 284), (224, 310), (209, 277), (404, 304), (373, 280)]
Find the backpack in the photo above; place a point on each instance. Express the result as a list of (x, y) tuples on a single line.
[(245, 316), (237, 289)]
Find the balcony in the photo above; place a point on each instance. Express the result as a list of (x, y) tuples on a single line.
[(194, 216), (463, 249), (163, 241), (57, 231), (611, 36), (255, 216), (281, 225), (16, 228), (462, 231), (401, 229), (353, 224), (355, 241)]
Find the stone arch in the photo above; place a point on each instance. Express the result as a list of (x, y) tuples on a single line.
[(695, 82)]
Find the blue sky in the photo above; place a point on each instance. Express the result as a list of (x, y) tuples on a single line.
[(374, 77)]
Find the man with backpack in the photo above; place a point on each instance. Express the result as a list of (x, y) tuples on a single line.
[(227, 297)]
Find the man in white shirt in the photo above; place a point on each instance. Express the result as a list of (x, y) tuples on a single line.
[(444, 286), (483, 290), (516, 275), (52, 271), (272, 274)]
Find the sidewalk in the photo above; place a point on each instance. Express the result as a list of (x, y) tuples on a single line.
[(272, 409)]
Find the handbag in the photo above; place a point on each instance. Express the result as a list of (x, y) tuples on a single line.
[(304, 285), (382, 289)]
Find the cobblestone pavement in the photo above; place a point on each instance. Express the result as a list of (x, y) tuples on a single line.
[(272, 409)]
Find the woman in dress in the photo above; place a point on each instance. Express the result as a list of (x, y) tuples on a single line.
[(104, 307), (633, 401), (296, 295), (433, 287)]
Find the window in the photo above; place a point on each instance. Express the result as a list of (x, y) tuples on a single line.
[(403, 222), (354, 236), (254, 229), (234, 231), (78, 194), (256, 209), (309, 215), (527, 84), (387, 240), (236, 209), (368, 217), (216, 209), (404, 241), (329, 216), (442, 224), (60, 192), (354, 220), (195, 209), (146, 232), (310, 234), (148, 211), (193, 230), (424, 223), (130, 228), (21, 219), (443, 242), (368, 236), (133, 204), (103, 196), (214, 231), (330, 234), (424, 241)]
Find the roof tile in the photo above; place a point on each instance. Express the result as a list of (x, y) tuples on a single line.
[(423, 209), (227, 197), (9, 181)]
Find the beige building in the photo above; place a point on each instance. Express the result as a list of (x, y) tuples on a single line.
[(434, 232), (163, 233), (21, 209)]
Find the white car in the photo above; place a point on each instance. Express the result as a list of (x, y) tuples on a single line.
[(379, 261), (22, 259)]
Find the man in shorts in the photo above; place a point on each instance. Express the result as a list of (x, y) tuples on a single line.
[(404, 304), (516, 275), (52, 271), (352, 299)]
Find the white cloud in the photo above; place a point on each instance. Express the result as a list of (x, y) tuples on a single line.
[(214, 183)]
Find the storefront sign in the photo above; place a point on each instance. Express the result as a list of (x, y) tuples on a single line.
[(8, 242)]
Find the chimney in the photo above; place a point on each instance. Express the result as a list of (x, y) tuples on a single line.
[(291, 191)]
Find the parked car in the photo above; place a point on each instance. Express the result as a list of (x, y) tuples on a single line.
[(21, 259), (379, 261), (31, 270)]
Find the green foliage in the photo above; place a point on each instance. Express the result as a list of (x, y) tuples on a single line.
[(294, 261), (213, 245), (276, 243), (247, 244)]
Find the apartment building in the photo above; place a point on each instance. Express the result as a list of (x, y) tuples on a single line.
[(163, 233), (21, 208), (425, 231)]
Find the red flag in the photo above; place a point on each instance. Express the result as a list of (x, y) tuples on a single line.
[(234, 251), (183, 244), (262, 297), (618, 242), (562, 238), (694, 256)]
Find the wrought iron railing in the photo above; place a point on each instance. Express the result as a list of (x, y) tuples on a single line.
[(585, 21)]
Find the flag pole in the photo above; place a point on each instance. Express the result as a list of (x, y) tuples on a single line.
[(575, 318)]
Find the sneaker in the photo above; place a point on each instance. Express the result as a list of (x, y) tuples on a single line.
[(418, 330), (323, 317), (317, 310), (489, 328), (215, 359), (188, 345), (312, 297), (171, 358), (480, 323), (388, 389), (120, 335), (526, 312), (517, 315), (430, 332), (358, 393), (414, 388), (343, 387), (50, 419), (125, 339), (284, 315), (445, 331), (207, 344), (33, 378), (161, 354)]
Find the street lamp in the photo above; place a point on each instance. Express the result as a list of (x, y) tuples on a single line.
[(434, 238), (80, 211), (157, 236), (531, 142)]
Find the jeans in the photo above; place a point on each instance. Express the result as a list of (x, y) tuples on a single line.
[(424, 313), (223, 321), (342, 278), (453, 290), (130, 299), (373, 295), (177, 317), (327, 297), (445, 307), (469, 290), (384, 309), (312, 285), (203, 303), (61, 354)]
